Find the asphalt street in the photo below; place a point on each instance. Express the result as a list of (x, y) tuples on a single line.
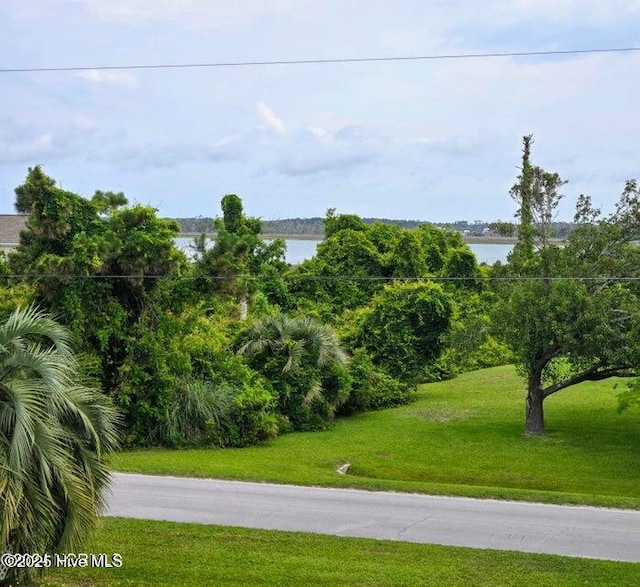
[(567, 530)]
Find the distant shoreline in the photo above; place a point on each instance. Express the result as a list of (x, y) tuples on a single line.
[(472, 240)]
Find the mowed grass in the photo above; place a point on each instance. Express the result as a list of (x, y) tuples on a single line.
[(461, 437), (165, 553)]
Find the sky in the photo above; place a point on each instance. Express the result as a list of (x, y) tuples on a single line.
[(434, 140)]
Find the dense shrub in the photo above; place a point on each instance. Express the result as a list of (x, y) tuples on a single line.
[(304, 364), (405, 328), (201, 413), (372, 388)]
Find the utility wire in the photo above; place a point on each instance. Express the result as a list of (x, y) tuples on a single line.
[(395, 58), (317, 277)]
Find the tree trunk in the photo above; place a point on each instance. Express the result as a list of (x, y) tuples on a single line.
[(534, 423), (244, 305)]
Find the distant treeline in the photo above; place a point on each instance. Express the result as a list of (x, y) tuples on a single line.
[(315, 226)]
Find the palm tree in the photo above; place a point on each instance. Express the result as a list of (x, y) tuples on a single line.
[(299, 356), (54, 434), (291, 337)]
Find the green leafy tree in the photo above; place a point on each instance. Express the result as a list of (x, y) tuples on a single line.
[(505, 229), (565, 329), (372, 388), (96, 264), (462, 266), (404, 328), (341, 275), (239, 253), (355, 259), (55, 433), (436, 244), (408, 258), (335, 223)]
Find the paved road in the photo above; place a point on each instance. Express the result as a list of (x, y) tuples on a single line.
[(573, 531)]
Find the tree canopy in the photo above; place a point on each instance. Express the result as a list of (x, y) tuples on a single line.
[(570, 314)]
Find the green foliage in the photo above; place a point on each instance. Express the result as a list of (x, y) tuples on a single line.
[(338, 277), (305, 364), (233, 218), (196, 375), (471, 342), (372, 388), (153, 361), (13, 296), (115, 317), (250, 418), (405, 328), (108, 202), (506, 229), (334, 224), (595, 328), (353, 261), (564, 331), (461, 264), (436, 244), (142, 245), (239, 251), (202, 414), (55, 433), (408, 258)]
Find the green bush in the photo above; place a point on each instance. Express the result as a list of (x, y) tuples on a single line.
[(372, 388), (305, 366), (201, 414), (405, 328), (182, 385), (470, 343)]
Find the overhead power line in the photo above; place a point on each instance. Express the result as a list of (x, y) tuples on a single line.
[(396, 58), (319, 277)]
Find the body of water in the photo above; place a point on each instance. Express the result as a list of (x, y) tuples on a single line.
[(490, 253), (299, 250)]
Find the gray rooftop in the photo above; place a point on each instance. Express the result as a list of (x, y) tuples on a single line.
[(10, 227)]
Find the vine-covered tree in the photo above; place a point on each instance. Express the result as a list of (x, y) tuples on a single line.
[(96, 264), (240, 257), (354, 260), (404, 328)]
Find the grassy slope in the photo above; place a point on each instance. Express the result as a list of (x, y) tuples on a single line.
[(163, 553), (461, 437)]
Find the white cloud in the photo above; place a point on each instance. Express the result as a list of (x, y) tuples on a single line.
[(110, 77), (163, 155), (270, 119), (319, 163), (321, 134), (29, 150)]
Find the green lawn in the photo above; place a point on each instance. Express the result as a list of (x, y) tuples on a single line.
[(462, 437), (164, 553)]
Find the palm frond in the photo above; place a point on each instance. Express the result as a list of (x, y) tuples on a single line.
[(54, 432)]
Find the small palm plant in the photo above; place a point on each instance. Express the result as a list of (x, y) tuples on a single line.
[(54, 434), (305, 363)]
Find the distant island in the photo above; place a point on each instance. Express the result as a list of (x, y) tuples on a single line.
[(476, 231)]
